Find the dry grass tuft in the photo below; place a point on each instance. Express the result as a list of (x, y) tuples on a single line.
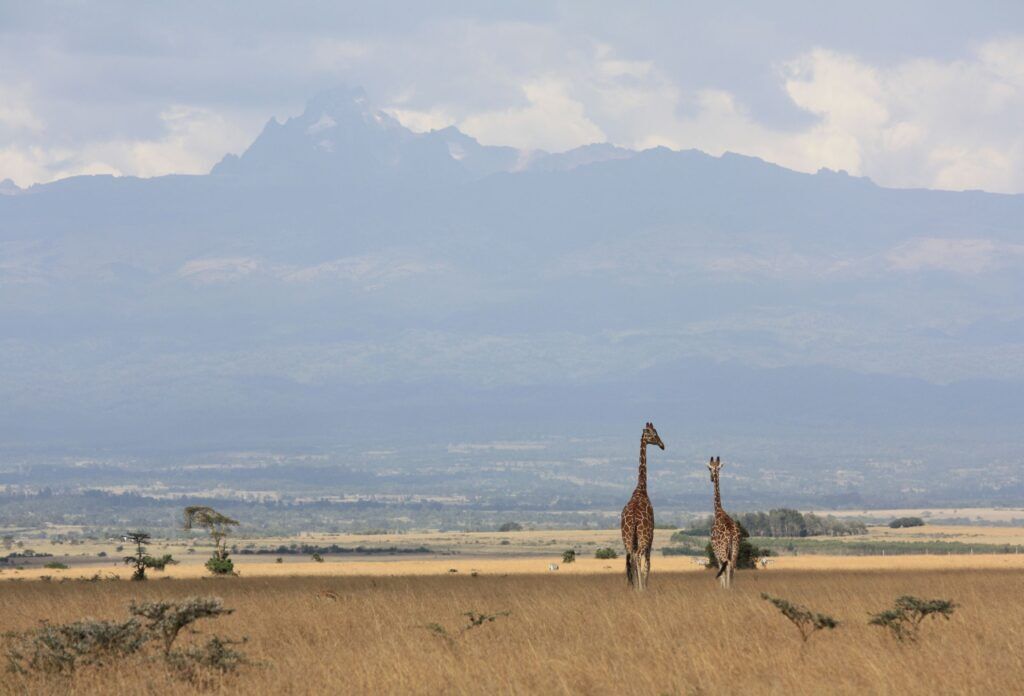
[(583, 633)]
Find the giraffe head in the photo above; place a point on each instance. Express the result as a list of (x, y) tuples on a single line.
[(714, 466), (651, 436)]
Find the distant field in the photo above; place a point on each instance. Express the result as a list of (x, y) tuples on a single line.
[(529, 552), (567, 633)]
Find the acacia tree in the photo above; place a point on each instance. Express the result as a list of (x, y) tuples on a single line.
[(141, 560), (217, 525)]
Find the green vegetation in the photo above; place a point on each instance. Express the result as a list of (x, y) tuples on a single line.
[(56, 565), (906, 522), (748, 555), (694, 546), (569, 556), (141, 560), (904, 619), (217, 525), (781, 522), (806, 621), (606, 553), (511, 527)]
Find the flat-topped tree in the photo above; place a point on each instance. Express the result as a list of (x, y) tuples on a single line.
[(217, 525)]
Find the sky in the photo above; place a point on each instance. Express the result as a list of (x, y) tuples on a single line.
[(919, 94)]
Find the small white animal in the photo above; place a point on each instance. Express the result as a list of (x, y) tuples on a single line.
[(552, 566)]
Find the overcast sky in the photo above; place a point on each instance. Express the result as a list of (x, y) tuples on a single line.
[(910, 94)]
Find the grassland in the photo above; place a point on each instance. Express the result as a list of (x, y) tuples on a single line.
[(566, 633)]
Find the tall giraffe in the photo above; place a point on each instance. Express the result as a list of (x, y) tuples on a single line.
[(725, 534), (638, 518)]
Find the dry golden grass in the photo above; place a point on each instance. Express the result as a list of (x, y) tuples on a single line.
[(568, 633), (260, 566)]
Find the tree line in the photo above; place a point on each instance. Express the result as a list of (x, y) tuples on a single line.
[(782, 522)]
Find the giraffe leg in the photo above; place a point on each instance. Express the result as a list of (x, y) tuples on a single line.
[(647, 566), (630, 570)]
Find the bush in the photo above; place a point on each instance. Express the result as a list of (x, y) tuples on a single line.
[(56, 565), (605, 554), (317, 558), (60, 649), (569, 556), (904, 619), (906, 522), (511, 527), (806, 621), (748, 555), (102, 554), (220, 566), (166, 619)]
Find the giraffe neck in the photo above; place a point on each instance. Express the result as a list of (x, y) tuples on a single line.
[(641, 479), (718, 497)]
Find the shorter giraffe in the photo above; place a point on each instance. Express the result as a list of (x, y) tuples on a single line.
[(638, 518), (725, 534)]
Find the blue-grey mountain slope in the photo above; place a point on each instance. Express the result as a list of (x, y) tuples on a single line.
[(345, 272)]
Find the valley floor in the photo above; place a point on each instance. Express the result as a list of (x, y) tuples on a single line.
[(566, 632)]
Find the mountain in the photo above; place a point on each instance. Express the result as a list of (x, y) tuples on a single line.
[(348, 282)]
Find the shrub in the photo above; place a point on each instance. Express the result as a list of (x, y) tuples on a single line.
[(102, 554), (202, 664), (906, 522), (220, 566), (569, 556), (62, 648), (904, 619), (748, 555), (806, 621), (317, 558), (56, 565), (166, 619), (605, 553), (511, 527)]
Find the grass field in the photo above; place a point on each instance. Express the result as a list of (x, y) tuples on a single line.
[(566, 633)]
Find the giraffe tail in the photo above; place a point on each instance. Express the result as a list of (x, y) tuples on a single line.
[(725, 564)]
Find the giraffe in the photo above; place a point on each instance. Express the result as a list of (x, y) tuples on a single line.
[(638, 518), (725, 534)]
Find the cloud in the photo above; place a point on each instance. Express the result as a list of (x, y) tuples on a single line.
[(552, 120), (173, 94), (192, 141)]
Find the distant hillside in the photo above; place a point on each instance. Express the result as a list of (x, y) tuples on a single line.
[(347, 280)]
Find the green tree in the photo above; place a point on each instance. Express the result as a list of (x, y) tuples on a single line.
[(906, 522), (217, 525)]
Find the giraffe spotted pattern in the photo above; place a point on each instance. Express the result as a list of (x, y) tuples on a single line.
[(638, 518), (725, 533)]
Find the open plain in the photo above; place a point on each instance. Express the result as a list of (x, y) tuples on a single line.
[(563, 633)]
